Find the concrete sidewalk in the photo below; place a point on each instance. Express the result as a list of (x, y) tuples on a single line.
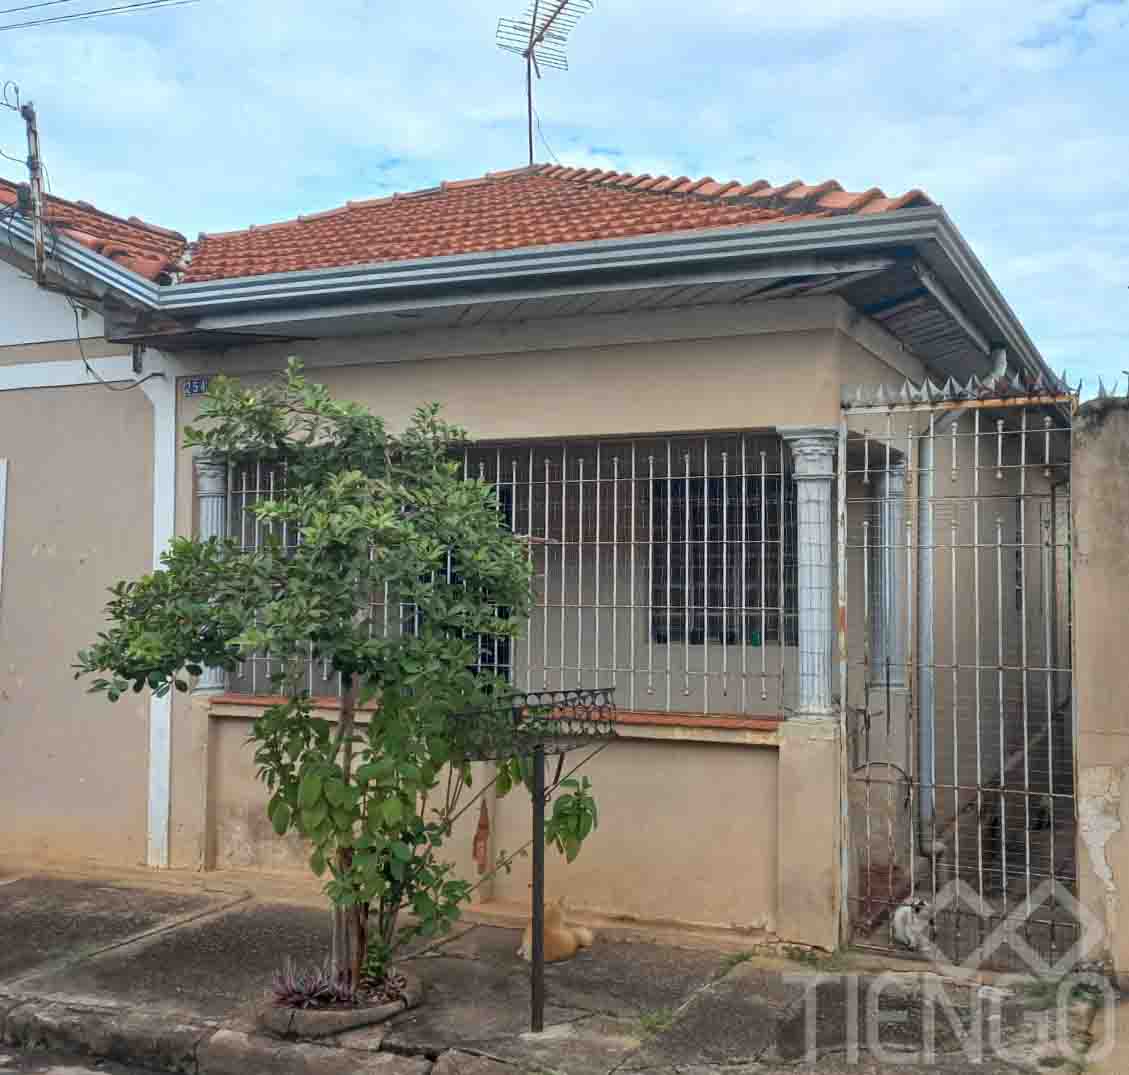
[(165, 971)]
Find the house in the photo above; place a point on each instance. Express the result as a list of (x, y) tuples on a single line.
[(654, 372)]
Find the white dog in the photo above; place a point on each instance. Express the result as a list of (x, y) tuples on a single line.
[(911, 924)]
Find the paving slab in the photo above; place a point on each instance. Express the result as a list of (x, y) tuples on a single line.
[(629, 978), (468, 1001), (459, 1063), (46, 920), (733, 1020), (593, 1045), (905, 1018), (211, 967)]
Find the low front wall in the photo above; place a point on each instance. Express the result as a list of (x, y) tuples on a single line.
[(689, 820), (687, 832)]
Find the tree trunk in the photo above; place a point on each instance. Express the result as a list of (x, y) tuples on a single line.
[(350, 924)]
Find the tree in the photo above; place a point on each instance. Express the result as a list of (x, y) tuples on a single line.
[(376, 513)]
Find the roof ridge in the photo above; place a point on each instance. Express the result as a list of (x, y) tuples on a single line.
[(795, 196)]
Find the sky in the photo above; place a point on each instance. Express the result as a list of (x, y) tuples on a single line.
[(1012, 114)]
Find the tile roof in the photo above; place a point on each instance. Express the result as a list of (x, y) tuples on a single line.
[(146, 249), (525, 207)]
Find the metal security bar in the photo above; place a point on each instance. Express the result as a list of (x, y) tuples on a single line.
[(665, 567), (958, 673)]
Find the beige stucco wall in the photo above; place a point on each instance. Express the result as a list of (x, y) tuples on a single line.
[(1101, 625), (73, 768), (239, 833), (690, 831)]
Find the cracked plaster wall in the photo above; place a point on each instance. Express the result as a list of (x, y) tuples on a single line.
[(1100, 507)]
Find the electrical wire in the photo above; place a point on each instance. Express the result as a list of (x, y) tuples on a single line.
[(98, 13), (28, 7), (7, 215), (544, 140), (91, 370)]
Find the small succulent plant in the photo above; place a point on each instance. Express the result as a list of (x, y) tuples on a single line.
[(310, 987)]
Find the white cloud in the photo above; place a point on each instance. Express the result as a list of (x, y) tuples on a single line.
[(227, 113)]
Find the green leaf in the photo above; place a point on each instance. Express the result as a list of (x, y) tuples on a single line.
[(342, 820), (393, 810), (317, 862), (376, 771), (315, 815), (280, 816), (309, 791), (401, 851), (503, 784)]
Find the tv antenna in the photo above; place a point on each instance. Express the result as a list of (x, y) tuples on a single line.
[(540, 36)]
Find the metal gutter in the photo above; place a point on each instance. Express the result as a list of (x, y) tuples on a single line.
[(770, 269), (534, 263), (105, 270), (654, 254)]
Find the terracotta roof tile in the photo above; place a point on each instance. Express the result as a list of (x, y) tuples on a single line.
[(525, 207), (507, 210), (145, 249)]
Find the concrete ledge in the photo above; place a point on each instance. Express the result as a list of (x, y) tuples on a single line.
[(629, 724), (160, 1041), (166, 1041), (233, 1052)]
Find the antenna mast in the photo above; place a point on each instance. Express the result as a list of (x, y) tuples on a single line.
[(31, 196), (539, 37), (35, 174)]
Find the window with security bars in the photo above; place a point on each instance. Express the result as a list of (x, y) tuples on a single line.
[(720, 547), (663, 566), (253, 482), (493, 653)]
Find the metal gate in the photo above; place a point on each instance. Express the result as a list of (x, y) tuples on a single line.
[(955, 670)]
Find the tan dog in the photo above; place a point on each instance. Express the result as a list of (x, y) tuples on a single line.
[(562, 941)]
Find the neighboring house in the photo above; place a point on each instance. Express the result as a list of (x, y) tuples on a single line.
[(652, 370)]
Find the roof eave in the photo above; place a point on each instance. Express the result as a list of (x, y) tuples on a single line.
[(481, 273), (1010, 330), (69, 254), (646, 253)]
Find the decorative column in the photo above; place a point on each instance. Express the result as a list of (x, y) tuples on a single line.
[(813, 457), (211, 522), (888, 641)]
